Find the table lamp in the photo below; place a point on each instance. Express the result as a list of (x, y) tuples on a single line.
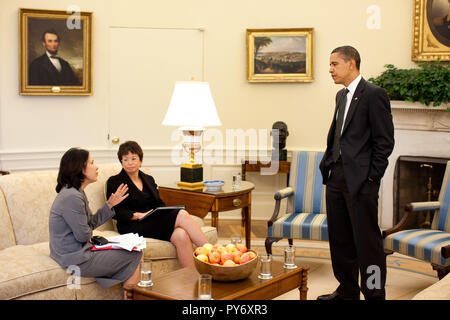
[(191, 109)]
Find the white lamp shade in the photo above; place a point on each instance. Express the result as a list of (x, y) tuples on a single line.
[(191, 106)]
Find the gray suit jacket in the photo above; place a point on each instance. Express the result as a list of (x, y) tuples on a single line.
[(71, 223)]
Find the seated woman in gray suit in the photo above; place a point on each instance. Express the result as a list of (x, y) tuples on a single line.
[(71, 224), (176, 226)]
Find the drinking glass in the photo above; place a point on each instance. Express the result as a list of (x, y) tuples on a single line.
[(236, 239), (236, 181), (204, 287), (265, 266), (146, 274), (289, 257)]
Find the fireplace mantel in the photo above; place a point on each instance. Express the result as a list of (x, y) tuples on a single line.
[(419, 131), (416, 116)]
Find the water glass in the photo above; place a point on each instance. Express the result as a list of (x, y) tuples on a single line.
[(235, 240), (265, 266), (204, 287), (236, 181), (289, 257), (146, 274)]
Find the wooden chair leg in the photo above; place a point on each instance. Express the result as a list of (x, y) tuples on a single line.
[(269, 242), (441, 270), (387, 252)]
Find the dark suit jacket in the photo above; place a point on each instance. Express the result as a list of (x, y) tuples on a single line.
[(125, 209), (42, 72), (367, 139)]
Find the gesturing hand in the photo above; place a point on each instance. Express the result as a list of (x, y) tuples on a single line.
[(118, 196)]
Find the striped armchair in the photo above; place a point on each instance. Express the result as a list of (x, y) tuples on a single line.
[(432, 245), (305, 216)]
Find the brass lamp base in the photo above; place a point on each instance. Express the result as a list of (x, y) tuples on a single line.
[(191, 177), (194, 186)]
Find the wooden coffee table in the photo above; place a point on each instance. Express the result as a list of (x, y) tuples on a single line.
[(182, 285)]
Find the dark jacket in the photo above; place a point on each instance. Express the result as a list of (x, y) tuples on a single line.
[(367, 139), (42, 72), (126, 209)]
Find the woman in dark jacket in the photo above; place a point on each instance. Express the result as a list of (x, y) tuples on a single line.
[(176, 226), (71, 223)]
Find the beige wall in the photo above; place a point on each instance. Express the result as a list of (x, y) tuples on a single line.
[(55, 123)]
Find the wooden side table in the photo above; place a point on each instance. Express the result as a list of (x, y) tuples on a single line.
[(251, 166), (199, 203)]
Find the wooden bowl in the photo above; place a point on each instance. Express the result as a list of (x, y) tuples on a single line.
[(225, 274)]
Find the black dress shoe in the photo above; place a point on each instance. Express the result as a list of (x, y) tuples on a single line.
[(336, 296)]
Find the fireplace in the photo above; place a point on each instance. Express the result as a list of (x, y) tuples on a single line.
[(419, 132), (416, 179)]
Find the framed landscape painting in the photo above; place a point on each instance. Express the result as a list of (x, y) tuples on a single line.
[(431, 33), (280, 55), (54, 52)]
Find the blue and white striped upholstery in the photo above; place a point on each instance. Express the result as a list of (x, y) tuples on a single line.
[(426, 244), (441, 219), (305, 216)]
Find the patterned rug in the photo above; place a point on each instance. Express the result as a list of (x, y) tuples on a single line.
[(320, 250), (406, 276)]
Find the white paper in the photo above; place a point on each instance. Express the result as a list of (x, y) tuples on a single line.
[(128, 241)]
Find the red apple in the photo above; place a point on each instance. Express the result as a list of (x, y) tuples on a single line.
[(229, 263), (241, 247), (201, 250), (246, 257), (226, 256), (202, 257), (214, 257), (237, 256)]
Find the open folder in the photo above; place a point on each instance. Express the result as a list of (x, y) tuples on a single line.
[(128, 241), (161, 209)]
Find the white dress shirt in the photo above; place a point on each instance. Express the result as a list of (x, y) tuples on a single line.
[(55, 61), (351, 90)]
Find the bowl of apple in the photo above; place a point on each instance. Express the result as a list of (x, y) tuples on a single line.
[(225, 263)]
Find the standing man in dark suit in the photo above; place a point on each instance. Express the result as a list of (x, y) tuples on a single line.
[(360, 140), (49, 69)]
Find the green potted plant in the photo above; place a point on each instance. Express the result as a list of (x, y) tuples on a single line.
[(429, 83)]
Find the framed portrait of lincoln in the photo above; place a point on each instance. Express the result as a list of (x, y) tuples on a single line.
[(55, 52), (431, 30)]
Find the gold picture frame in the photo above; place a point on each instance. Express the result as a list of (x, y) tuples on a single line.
[(280, 55), (431, 31), (55, 52)]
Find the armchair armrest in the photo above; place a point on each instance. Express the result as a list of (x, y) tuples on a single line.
[(284, 193), (410, 208), (445, 251), (424, 206), (278, 196)]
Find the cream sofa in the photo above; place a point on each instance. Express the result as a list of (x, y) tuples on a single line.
[(438, 291), (26, 269)]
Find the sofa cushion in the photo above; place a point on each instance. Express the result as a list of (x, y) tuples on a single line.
[(95, 192), (423, 244), (300, 226), (438, 291), (7, 238), (29, 196), (29, 269)]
